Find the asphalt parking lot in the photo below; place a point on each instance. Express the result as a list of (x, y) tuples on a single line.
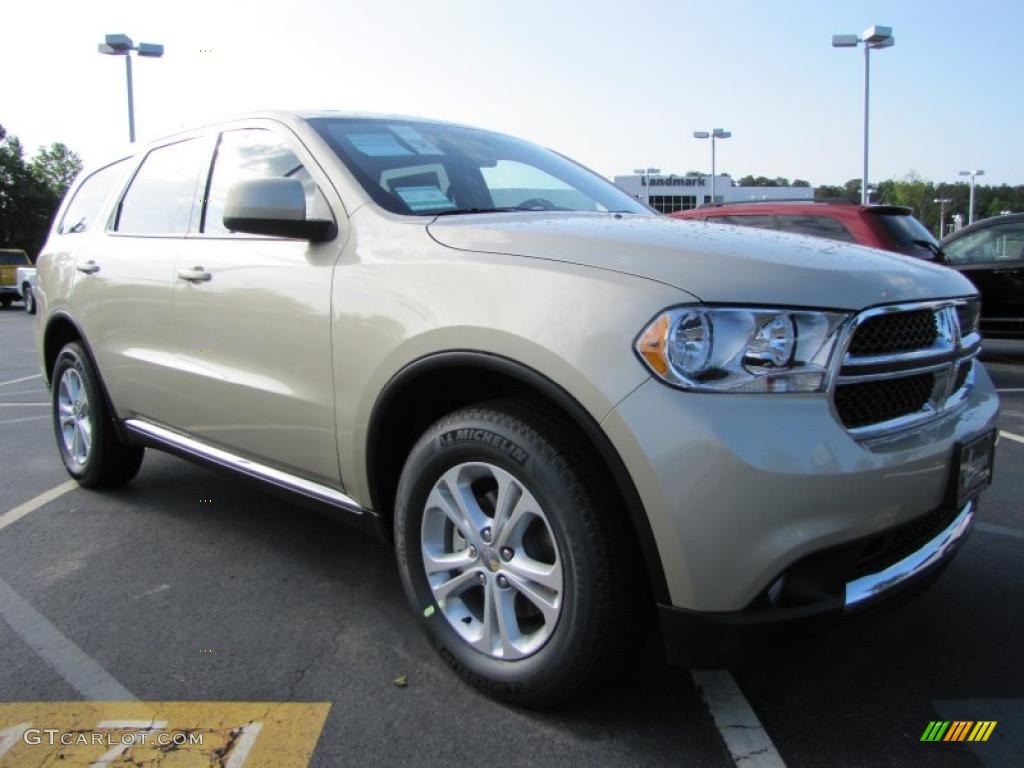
[(186, 586)]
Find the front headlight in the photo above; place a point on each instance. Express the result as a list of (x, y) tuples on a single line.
[(733, 349)]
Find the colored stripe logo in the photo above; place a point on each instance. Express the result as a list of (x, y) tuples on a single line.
[(959, 730)]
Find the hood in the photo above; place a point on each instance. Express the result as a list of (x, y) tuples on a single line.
[(714, 262)]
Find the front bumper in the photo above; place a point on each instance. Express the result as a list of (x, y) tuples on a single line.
[(742, 490), (717, 639)]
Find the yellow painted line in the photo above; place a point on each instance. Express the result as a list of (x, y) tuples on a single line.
[(32, 505), (1011, 436), (170, 734)]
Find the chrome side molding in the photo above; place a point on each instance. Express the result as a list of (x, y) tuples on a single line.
[(931, 554), (223, 458)]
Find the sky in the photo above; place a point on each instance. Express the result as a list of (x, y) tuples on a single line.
[(615, 85)]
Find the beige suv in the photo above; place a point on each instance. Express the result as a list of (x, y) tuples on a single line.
[(562, 408)]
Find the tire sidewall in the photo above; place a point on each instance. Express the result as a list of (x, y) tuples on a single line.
[(73, 356), (439, 451)]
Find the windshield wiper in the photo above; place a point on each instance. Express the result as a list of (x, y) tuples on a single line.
[(461, 211), (929, 245)]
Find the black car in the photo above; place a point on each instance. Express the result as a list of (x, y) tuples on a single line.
[(991, 253)]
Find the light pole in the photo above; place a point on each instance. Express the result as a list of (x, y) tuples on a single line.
[(121, 45), (717, 133), (942, 202), (970, 207), (874, 37), (645, 179)]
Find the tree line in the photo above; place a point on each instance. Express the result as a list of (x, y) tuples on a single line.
[(914, 192), (920, 194), (31, 191)]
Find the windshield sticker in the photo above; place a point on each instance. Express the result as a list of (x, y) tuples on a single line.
[(415, 139), (424, 198), (378, 144)]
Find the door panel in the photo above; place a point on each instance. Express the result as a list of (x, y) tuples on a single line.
[(125, 311), (123, 280), (254, 353), (254, 339)]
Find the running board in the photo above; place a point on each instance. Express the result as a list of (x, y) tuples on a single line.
[(207, 453)]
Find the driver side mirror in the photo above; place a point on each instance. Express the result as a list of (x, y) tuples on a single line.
[(274, 207)]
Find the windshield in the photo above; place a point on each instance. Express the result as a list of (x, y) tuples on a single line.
[(908, 234), (431, 169)]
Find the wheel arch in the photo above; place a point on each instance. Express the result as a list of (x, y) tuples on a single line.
[(428, 388), (61, 329)]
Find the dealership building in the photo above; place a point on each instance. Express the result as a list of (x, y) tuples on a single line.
[(669, 193)]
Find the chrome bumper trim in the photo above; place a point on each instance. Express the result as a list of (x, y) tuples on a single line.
[(246, 466), (931, 554)]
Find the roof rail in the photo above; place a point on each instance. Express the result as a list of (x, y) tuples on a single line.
[(823, 200)]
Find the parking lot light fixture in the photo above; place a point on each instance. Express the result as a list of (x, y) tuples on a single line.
[(970, 206), (717, 133), (122, 45), (942, 202), (874, 37)]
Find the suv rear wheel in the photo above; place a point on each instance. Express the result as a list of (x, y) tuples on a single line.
[(84, 427), (509, 554)]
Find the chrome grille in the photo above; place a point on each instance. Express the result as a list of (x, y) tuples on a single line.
[(895, 332), (905, 364), (873, 402)]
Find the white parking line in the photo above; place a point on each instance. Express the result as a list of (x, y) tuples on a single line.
[(33, 504), (18, 381), (78, 669), (1010, 389), (746, 739), (1002, 530), (1011, 436), (25, 418), (244, 745), (21, 405)]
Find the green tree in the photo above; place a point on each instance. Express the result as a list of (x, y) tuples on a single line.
[(30, 192), (56, 166)]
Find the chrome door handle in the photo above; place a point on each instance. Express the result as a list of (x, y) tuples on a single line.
[(89, 268), (195, 275)]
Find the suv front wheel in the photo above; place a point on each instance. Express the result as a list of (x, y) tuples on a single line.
[(509, 554), (92, 453)]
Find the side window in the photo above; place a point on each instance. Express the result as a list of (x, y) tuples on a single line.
[(84, 208), (159, 199), (760, 222), (819, 226), (254, 153), (999, 243)]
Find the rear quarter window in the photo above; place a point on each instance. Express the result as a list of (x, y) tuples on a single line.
[(86, 206)]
